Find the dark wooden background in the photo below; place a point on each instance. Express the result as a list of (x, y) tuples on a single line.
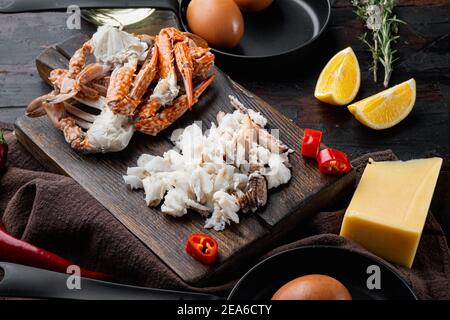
[(424, 51)]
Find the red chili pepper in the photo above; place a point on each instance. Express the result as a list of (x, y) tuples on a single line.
[(3, 152), (332, 161), (202, 247), (311, 143), (17, 251)]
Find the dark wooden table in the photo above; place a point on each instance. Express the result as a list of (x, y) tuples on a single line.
[(424, 51)]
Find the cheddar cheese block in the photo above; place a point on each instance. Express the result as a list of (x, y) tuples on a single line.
[(388, 210)]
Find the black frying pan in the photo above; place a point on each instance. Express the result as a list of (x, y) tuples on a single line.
[(285, 28), (260, 283)]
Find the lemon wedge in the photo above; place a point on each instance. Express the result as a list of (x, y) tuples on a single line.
[(339, 81), (387, 108)]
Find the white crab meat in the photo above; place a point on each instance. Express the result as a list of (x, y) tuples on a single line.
[(110, 132), (114, 47), (154, 190), (240, 180), (178, 180), (258, 118), (144, 159), (225, 211), (201, 184), (166, 90), (224, 177), (158, 164), (278, 174), (134, 182), (263, 155), (191, 143), (175, 160), (137, 171), (207, 172), (134, 177), (175, 203)]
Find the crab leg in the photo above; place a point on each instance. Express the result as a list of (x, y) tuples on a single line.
[(78, 113), (35, 108), (140, 85), (104, 81), (120, 82), (148, 39), (195, 40), (183, 60), (92, 71), (186, 68), (83, 124), (154, 124), (88, 93), (101, 89), (75, 136), (56, 77), (166, 63), (73, 133), (69, 81), (78, 60), (99, 103), (148, 108), (101, 85), (202, 60), (69, 87), (145, 75), (166, 89)]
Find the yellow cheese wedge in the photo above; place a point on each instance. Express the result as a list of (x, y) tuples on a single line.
[(388, 210)]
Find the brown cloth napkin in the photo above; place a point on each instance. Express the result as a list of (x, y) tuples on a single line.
[(55, 213)]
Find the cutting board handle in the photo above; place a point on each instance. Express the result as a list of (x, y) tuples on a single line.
[(16, 6), (21, 281)]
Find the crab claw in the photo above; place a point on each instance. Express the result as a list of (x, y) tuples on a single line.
[(154, 124), (186, 68)]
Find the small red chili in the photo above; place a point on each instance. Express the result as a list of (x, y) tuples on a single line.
[(3, 152), (332, 161), (202, 247), (311, 143)]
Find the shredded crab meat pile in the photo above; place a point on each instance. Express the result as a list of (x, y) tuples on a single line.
[(206, 172)]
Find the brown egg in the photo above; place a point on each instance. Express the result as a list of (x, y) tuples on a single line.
[(253, 5), (219, 22), (313, 287)]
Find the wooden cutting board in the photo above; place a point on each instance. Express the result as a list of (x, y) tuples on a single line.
[(101, 176)]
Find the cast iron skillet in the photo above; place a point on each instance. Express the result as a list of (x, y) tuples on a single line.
[(260, 283), (286, 27)]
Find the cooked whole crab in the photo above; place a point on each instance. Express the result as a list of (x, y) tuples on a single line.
[(134, 82)]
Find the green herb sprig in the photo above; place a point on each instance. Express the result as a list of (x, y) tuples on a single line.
[(382, 24)]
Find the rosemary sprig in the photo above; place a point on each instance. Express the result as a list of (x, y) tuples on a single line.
[(382, 23)]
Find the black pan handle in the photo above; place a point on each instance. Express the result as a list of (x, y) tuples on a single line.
[(16, 6), (27, 282)]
